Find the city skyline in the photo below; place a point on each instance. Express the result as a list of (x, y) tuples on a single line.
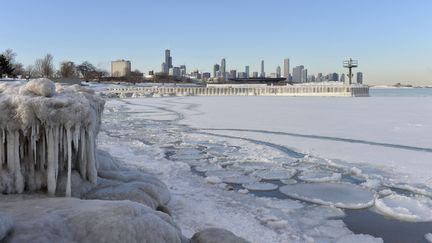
[(389, 48)]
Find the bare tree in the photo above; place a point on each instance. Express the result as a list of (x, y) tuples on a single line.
[(87, 70), (30, 72), (68, 69), (45, 67)]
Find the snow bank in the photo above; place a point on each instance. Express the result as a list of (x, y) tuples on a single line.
[(47, 131)]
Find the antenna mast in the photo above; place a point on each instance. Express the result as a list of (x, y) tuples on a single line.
[(350, 64)]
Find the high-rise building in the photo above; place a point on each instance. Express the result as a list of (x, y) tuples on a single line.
[(297, 74), (205, 76), (223, 68), (247, 71), (183, 70), (241, 75), (120, 68), (342, 78), (360, 78), (286, 68), (164, 68), (278, 72), (216, 68), (255, 74), (168, 59), (262, 69), (233, 74), (304, 76)]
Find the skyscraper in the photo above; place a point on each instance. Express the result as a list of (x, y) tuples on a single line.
[(247, 71), (216, 68), (183, 70), (262, 69), (286, 68), (342, 78), (223, 68), (278, 72), (297, 74), (360, 78), (304, 76), (168, 59)]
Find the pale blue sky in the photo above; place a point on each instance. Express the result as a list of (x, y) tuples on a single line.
[(391, 39)]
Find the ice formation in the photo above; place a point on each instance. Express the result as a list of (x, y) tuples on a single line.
[(46, 131), (405, 208), (341, 195)]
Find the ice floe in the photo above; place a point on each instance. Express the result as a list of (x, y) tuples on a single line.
[(276, 174), (260, 186), (341, 195), (243, 179), (412, 209)]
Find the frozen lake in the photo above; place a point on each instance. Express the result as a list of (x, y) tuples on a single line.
[(284, 169)]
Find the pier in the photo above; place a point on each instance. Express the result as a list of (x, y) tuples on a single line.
[(242, 90)]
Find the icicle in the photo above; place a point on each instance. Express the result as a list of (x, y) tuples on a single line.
[(91, 161), (83, 155), (69, 168), (51, 180), (76, 136), (2, 152)]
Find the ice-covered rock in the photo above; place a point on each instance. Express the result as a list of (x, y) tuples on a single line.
[(216, 235), (341, 195), (47, 132), (412, 209), (75, 220), (260, 186)]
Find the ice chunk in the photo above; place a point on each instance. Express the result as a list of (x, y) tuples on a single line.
[(242, 179), (276, 174), (411, 209), (319, 176), (213, 180), (260, 186), (289, 181), (340, 195), (359, 238), (428, 237)]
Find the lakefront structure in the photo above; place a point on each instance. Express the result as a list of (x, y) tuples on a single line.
[(244, 90)]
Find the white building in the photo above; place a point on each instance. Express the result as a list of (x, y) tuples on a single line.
[(120, 68)]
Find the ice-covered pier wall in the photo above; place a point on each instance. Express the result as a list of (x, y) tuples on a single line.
[(227, 90), (46, 131)]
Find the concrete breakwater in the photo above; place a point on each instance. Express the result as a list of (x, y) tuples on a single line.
[(242, 90)]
